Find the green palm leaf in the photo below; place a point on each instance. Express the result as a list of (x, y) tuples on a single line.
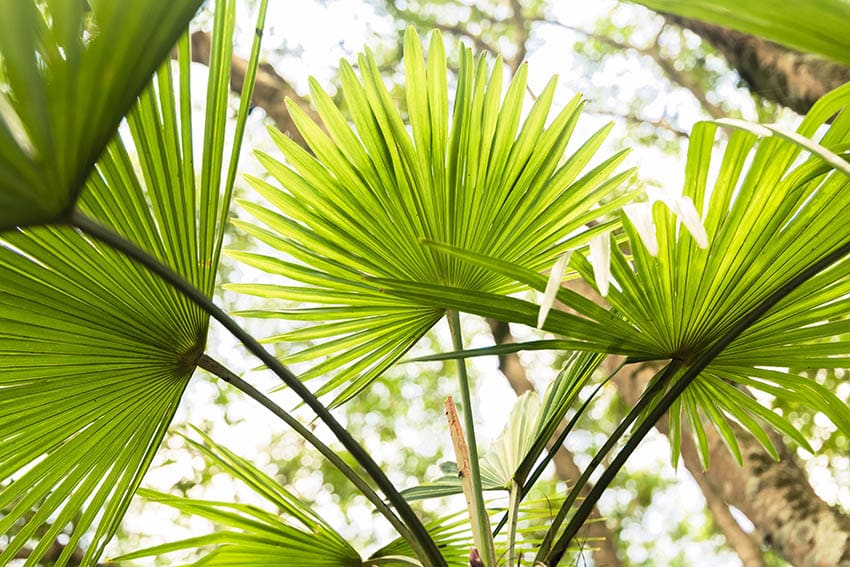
[(95, 350), (361, 204), (770, 216), (778, 257), (69, 71), (291, 534), (780, 215), (287, 532)]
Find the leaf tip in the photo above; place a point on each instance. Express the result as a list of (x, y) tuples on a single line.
[(552, 287)]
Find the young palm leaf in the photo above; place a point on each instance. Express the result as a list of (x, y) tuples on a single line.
[(96, 351), (349, 225), (289, 533), (532, 423), (69, 71)]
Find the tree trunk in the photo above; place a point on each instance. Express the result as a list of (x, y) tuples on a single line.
[(775, 495), (779, 74)]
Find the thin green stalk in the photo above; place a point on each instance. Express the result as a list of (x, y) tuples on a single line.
[(482, 537), (513, 517), (422, 543), (528, 484), (694, 370), (642, 405), (217, 369)]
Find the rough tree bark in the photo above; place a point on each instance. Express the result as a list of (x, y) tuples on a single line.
[(774, 72)]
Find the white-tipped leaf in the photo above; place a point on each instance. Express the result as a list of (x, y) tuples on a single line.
[(600, 258), (640, 215), (552, 286)]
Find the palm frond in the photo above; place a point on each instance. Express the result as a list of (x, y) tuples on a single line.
[(69, 71), (286, 532), (95, 351), (352, 215), (771, 215)]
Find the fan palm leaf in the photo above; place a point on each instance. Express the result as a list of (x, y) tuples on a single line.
[(285, 531), (352, 215), (775, 230), (771, 217), (770, 220), (95, 350), (69, 72)]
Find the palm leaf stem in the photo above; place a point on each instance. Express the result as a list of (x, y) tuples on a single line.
[(483, 539), (423, 544), (513, 518), (522, 472), (640, 407), (693, 370), (219, 370)]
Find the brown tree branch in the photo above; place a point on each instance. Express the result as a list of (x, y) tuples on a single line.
[(666, 65), (270, 90), (456, 29), (637, 120), (523, 28)]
